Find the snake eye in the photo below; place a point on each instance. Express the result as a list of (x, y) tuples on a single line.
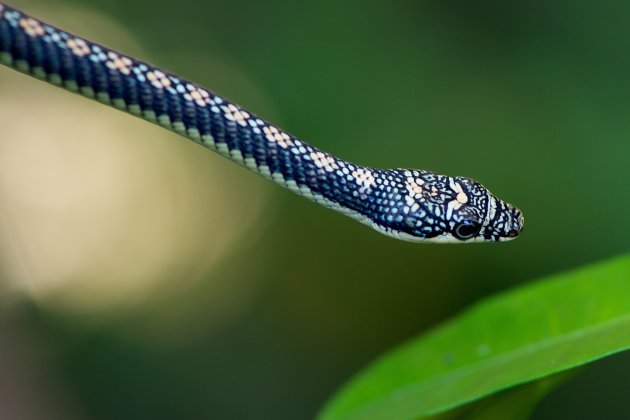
[(466, 230)]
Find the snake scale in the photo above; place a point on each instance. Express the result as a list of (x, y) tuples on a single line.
[(409, 204)]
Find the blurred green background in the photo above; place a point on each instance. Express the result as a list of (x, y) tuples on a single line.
[(144, 277)]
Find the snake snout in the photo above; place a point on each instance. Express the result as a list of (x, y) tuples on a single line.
[(517, 223)]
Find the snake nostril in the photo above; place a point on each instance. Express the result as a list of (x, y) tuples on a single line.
[(513, 233)]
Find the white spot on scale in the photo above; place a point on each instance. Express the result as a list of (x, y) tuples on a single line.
[(493, 208), (237, 156), (461, 195), (320, 199), (364, 178), (223, 149), (324, 161), (250, 163), (278, 178), (452, 184), (208, 141), (264, 171), (293, 186)]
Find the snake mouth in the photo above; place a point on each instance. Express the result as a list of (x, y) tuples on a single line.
[(516, 226), (509, 237)]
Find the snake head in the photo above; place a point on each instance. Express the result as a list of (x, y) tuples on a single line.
[(439, 208)]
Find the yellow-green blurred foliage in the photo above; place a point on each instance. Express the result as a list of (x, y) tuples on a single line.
[(142, 276)]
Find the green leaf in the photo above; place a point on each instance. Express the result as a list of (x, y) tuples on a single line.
[(532, 332), (516, 403)]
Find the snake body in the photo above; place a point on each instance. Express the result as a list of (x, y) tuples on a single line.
[(409, 204)]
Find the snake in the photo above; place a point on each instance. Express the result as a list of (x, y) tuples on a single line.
[(409, 204)]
